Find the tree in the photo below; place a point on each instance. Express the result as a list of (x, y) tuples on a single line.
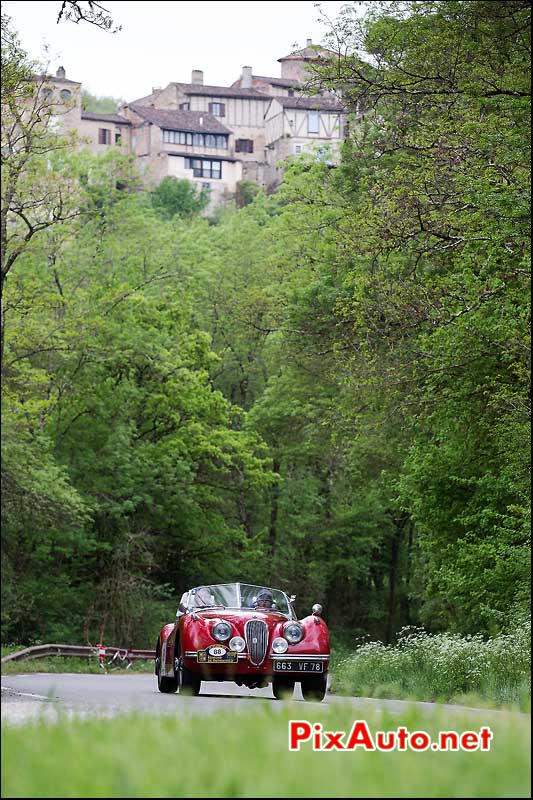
[(90, 11), (437, 180), (36, 192), (107, 375), (173, 197), (104, 105)]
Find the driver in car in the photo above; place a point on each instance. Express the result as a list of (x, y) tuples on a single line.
[(265, 599), (203, 597)]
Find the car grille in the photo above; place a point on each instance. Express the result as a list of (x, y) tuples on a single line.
[(256, 635)]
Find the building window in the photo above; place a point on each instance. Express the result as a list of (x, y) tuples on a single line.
[(244, 146), (47, 93), (65, 94), (291, 92), (217, 109), (118, 138), (313, 122), (104, 136), (298, 148), (204, 168), (196, 139), (184, 106)]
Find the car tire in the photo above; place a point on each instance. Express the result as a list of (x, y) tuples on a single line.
[(314, 687), (188, 682), (165, 685), (282, 687)]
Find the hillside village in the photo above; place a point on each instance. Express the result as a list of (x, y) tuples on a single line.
[(214, 136)]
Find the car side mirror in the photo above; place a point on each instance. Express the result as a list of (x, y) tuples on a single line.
[(317, 610)]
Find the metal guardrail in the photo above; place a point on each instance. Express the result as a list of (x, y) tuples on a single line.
[(81, 651)]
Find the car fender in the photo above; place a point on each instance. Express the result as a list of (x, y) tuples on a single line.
[(166, 648), (316, 637)]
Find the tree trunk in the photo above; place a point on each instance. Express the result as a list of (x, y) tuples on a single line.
[(274, 507)]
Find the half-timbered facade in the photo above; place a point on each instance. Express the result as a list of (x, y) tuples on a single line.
[(240, 109), (296, 125)]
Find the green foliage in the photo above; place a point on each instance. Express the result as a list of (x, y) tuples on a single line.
[(122, 391), (69, 665), (99, 104), (327, 390), (442, 667), (15, 65), (173, 197), (246, 191)]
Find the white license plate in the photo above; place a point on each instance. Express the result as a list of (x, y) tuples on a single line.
[(282, 665)]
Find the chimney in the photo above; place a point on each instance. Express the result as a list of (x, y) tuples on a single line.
[(197, 77), (308, 42), (156, 89), (60, 72), (246, 78)]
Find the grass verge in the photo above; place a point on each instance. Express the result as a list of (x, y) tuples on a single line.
[(442, 668), (234, 754), (62, 664)]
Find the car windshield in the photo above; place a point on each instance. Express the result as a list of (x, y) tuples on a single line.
[(240, 596)]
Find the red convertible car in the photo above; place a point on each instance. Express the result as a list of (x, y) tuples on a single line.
[(243, 633)]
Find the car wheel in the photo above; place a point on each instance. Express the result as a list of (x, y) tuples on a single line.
[(188, 682), (164, 684), (282, 687), (314, 687)]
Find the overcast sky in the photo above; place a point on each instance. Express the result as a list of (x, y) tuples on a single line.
[(163, 41)]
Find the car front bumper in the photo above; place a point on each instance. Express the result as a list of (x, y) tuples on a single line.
[(243, 665)]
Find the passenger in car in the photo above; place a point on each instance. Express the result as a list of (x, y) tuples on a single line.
[(203, 597)]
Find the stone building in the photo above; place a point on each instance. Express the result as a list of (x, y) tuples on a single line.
[(101, 130), (216, 136), (61, 97), (239, 110), (194, 145)]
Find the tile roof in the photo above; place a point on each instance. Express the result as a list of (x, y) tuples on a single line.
[(310, 103), (192, 121), (53, 79), (105, 117), (220, 91), (144, 101), (285, 82)]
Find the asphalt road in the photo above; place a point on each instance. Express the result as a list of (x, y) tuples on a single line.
[(40, 694)]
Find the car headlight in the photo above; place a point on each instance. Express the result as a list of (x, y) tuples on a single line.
[(293, 633), (279, 645), (237, 644), (221, 631)]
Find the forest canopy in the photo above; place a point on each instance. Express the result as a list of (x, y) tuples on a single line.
[(325, 390)]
